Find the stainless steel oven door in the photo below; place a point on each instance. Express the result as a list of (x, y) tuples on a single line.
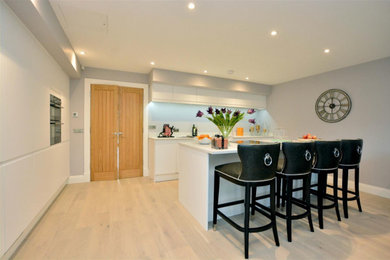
[(52, 113), (52, 133)]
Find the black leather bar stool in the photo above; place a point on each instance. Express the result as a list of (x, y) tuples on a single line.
[(257, 168), (352, 154), (328, 156), (298, 163)]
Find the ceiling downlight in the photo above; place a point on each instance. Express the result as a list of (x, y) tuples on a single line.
[(191, 6)]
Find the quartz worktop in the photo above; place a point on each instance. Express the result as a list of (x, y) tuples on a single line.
[(172, 138), (206, 148)]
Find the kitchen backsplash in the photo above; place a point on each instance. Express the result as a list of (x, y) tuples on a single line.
[(183, 116)]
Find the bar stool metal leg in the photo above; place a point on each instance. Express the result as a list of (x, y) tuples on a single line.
[(335, 197), (216, 195), (283, 192), (278, 183), (357, 194), (247, 205), (320, 195), (273, 215), (306, 198), (253, 205), (289, 208), (345, 192)]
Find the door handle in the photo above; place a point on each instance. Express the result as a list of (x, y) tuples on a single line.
[(118, 133)]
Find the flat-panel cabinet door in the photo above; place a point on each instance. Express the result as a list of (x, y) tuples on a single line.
[(184, 94), (162, 92), (165, 157)]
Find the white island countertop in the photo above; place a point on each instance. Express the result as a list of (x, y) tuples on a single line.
[(232, 147), (172, 138), (206, 148)]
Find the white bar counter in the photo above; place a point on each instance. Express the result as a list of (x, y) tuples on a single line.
[(196, 165)]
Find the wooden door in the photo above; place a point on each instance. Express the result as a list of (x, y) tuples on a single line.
[(116, 110), (104, 123), (131, 126)]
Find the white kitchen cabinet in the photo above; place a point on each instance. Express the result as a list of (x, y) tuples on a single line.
[(163, 93), (184, 94), (206, 96), (163, 158)]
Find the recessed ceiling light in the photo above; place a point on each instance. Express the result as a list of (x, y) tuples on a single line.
[(191, 6), (205, 71), (247, 78), (82, 52), (326, 50), (152, 63), (274, 33)]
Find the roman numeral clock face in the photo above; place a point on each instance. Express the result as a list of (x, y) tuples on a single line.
[(333, 105)]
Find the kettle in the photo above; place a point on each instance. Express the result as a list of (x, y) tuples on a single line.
[(167, 131)]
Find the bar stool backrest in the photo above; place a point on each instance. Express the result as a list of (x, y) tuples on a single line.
[(298, 157), (259, 162), (328, 154), (352, 151)]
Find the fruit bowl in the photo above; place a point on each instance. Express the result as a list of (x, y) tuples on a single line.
[(204, 139), (308, 137)]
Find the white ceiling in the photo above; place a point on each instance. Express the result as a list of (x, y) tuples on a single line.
[(218, 36)]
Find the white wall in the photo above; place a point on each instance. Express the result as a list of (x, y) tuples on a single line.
[(31, 171), (292, 107)]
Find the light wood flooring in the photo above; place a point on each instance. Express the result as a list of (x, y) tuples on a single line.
[(139, 219)]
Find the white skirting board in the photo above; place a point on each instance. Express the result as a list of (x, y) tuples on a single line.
[(166, 177), (32, 224), (79, 178), (379, 191)]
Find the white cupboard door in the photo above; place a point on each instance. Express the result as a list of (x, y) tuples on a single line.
[(209, 97), (165, 157), (184, 94), (162, 92)]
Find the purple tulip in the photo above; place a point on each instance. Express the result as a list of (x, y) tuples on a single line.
[(199, 114), (252, 121), (236, 113), (217, 111), (251, 111), (223, 110), (229, 111), (210, 110)]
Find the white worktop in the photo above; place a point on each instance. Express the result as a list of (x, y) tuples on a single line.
[(172, 138), (232, 148), (206, 148)]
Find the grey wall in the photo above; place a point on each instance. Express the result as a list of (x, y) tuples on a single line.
[(292, 107), (77, 105)]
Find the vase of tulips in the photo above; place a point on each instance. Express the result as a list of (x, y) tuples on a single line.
[(225, 120)]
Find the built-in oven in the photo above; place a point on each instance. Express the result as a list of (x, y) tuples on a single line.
[(55, 120)]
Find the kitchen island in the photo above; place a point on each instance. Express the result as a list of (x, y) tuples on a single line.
[(196, 165)]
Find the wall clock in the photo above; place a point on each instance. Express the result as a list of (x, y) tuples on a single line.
[(333, 105)]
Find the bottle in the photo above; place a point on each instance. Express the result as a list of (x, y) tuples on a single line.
[(194, 130)]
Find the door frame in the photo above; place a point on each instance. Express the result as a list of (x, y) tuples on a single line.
[(87, 121)]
